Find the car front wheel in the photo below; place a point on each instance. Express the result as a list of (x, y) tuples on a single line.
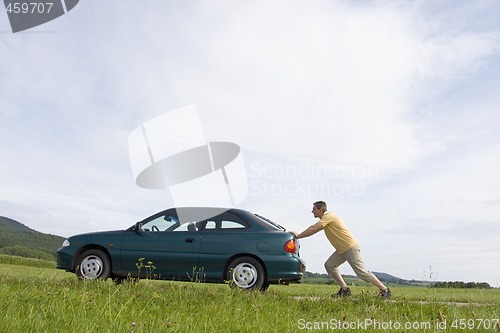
[(246, 273), (93, 264)]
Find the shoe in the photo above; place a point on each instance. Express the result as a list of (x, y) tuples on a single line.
[(385, 293), (343, 292)]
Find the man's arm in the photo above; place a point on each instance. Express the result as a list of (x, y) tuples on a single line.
[(309, 231)]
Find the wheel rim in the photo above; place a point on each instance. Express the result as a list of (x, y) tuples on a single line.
[(245, 275), (91, 267)]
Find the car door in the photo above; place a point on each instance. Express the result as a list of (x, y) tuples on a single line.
[(222, 236), (170, 244)]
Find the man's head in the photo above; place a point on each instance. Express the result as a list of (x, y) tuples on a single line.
[(319, 208)]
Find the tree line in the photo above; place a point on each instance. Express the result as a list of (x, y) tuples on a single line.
[(461, 284)]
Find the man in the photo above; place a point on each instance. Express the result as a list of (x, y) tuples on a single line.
[(346, 246)]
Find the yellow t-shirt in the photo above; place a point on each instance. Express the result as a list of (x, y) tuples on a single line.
[(337, 233)]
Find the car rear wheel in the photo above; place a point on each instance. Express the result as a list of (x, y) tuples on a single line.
[(246, 273), (93, 264)]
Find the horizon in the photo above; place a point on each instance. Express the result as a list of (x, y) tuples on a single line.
[(386, 110), (324, 274)]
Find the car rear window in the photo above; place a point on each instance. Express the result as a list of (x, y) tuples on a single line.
[(270, 223)]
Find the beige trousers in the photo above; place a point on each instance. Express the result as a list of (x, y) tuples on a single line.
[(353, 257)]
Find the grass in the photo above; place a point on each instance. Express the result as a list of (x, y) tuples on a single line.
[(43, 299), (30, 262)]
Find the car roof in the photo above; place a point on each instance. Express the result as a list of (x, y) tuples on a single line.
[(195, 214)]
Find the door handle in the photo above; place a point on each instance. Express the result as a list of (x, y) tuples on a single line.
[(189, 240)]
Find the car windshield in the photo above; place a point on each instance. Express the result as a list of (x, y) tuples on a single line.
[(161, 223)]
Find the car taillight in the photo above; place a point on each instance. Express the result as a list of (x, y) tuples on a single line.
[(291, 246)]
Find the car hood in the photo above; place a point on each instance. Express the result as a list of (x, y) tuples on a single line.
[(99, 234)]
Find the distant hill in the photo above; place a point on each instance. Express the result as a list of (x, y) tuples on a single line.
[(352, 279), (390, 278), (6, 223), (20, 240)]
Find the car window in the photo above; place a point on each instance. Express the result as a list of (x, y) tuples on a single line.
[(169, 221), (161, 223), (231, 225), (190, 226), (225, 221), (270, 223), (210, 225)]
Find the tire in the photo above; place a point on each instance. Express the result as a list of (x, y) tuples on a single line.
[(246, 273), (93, 264)]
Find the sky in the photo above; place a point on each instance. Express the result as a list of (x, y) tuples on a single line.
[(386, 110)]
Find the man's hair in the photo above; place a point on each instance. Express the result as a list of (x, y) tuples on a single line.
[(320, 205)]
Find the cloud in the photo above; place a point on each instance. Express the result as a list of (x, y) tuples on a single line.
[(341, 78), (308, 76)]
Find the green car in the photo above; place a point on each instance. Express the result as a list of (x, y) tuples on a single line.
[(204, 244)]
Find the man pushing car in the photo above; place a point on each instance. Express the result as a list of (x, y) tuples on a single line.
[(346, 249)]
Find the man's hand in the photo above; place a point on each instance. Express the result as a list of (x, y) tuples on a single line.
[(309, 231)]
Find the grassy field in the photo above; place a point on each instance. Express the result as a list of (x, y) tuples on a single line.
[(38, 298)]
